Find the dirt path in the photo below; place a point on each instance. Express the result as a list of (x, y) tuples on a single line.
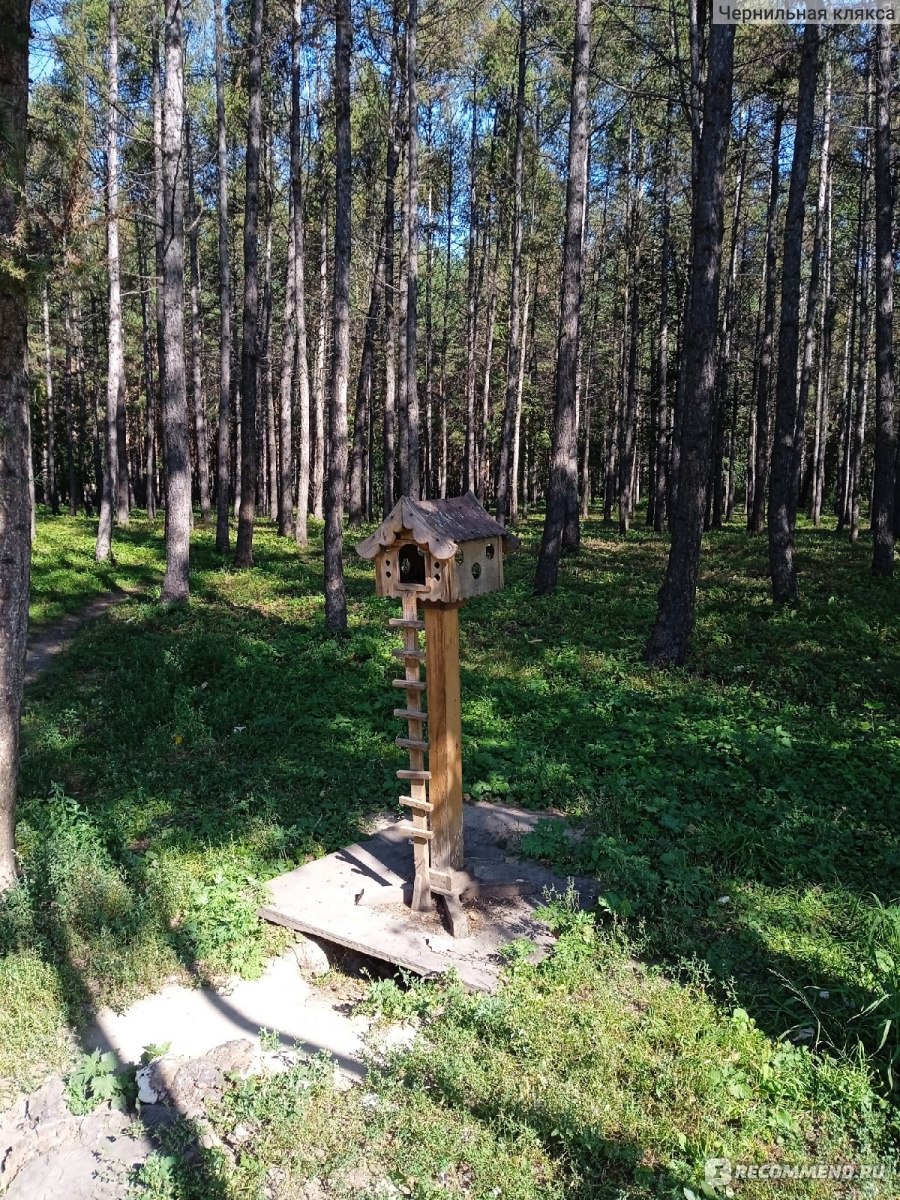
[(47, 643)]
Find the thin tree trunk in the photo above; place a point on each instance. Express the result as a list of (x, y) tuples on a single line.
[(781, 533), (250, 346), (675, 615), (428, 456), (223, 498), (664, 409), (158, 218), (520, 393), (115, 350), (471, 297), (149, 381), (289, 331), (483, 439), (442, 386), (412, 258), (362, 414), (861, 378), (76, 497), (175, 588), (390, 362), (757, 517), (627, 432), (51, 491), (812, 301), (335, 598), (823, 382), (562, 495), (510, 410), (885, 448), (196, 337), (270, 480), (318, 468), (16, 510)]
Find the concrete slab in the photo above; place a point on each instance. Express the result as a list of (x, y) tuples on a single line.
[(353, 898), (195, 1020)]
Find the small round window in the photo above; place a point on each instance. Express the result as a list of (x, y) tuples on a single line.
[(489, 550), (476, 569)]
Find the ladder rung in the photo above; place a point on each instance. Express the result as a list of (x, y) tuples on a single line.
[(412, 685), (415, 776), (405, 623), (410, 714), (424, 806), (416, 654), (411, 743), (415, 832)]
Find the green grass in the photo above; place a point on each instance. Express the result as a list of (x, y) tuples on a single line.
[(65, 577), (741, 818)]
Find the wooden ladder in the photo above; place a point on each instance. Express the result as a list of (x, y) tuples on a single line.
[(418, 827)]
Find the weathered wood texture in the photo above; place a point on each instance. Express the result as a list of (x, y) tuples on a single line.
[(444, 734)]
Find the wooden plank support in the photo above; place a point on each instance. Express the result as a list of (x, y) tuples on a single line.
[(416, 832), (411, 685), (414, 802), (406, 623), (456, 916), (412, 744), (410, 714), (444, 735), (415, 775), (418, 655)]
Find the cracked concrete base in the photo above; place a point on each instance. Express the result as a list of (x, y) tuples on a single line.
[(46, 1151), (194, 1020)]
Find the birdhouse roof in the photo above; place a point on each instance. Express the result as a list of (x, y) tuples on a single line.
[(440, 525)]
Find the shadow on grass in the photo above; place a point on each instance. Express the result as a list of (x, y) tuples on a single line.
[(236, 738)]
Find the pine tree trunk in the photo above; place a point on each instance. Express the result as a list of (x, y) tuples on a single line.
[(757, 516), (286, 384), (335, 598), (675, 615), (196, 337), (412, 259), (468, 482), (857, 415), (562, 496), (115, 350), (390, 339), (520, 393), (51, 490), (627, 430), (223, 433), (149, 381), (812, 301), (150, 464), (781, 533), (504, 483), (885, 447), (175, 588), (15, 450), (362, 413), (250, 343), (664, 409), (483, 474), (318, 463), (76, 497)]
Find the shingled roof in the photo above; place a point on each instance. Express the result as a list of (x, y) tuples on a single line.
[(438, 524)]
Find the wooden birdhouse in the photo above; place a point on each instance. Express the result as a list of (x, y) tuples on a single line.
[(443, 551), (437, 553)]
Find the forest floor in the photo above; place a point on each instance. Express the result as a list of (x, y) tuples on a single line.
[(736, 994)]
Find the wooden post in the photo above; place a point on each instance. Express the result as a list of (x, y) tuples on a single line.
[(444, 735)]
